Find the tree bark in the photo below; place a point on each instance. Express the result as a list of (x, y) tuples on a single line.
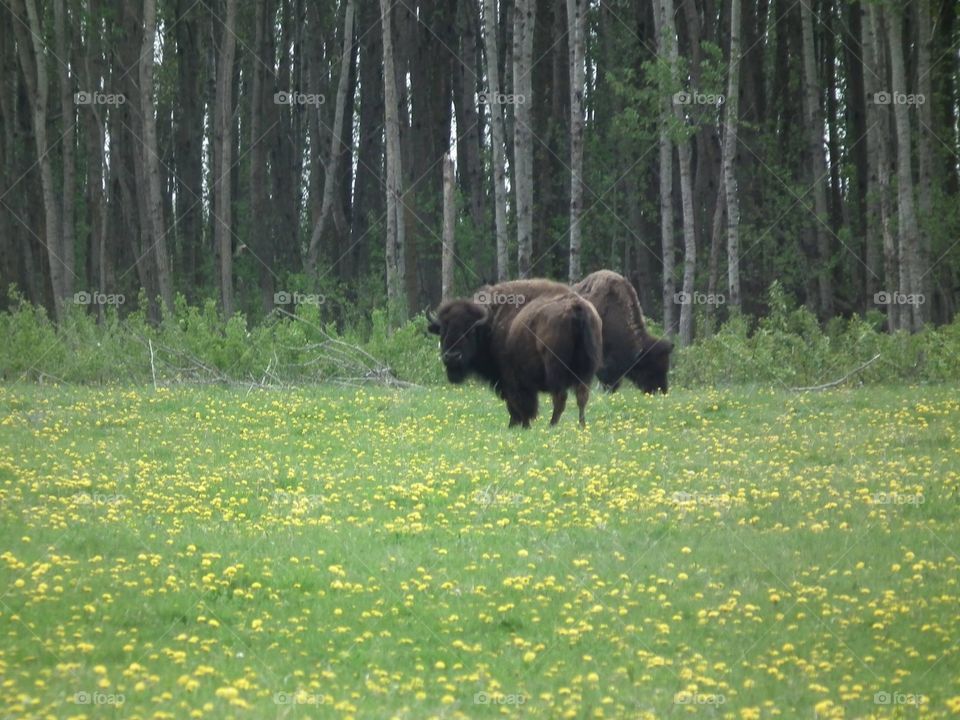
[(396, 274), (524, 19), (498, 139), (576, 21), (818, 169), (151, 157), (223, 149), (879, 133), (34, 64), (911, 318), (669, 35), (926, 165), (333, 156), (68, 140), (729, 156), (449, 225), (666, 191)]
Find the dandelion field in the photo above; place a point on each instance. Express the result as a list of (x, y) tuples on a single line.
[(737, 553)]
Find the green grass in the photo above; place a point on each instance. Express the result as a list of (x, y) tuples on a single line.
[(372, 553)]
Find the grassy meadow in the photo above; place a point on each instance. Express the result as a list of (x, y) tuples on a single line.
[(324, 552)]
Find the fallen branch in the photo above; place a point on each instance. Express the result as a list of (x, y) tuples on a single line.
[(826, 386)]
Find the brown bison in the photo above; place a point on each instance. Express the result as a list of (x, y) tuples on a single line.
[(628, 349), (523, 337)]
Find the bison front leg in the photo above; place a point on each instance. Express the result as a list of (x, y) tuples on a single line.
[(583, 395), (559, 403)]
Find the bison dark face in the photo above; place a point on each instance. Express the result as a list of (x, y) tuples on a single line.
[(652, 366), (464, 329)]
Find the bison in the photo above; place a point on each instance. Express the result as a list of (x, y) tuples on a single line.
[(523, 337), (628, 349)]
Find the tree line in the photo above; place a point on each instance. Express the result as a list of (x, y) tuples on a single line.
[(249, 152)]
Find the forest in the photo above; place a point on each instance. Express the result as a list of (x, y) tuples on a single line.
[(280, 151)]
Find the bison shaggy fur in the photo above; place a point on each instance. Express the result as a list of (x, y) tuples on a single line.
[(526, 337), (629, 351)]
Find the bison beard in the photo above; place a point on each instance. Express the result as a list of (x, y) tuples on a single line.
[(628, 349), (549, 343)]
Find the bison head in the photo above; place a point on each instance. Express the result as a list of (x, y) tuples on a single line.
[(650, 369), (464, 330)]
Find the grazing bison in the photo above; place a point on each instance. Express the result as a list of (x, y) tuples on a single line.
[(628, 349), (525, 337)]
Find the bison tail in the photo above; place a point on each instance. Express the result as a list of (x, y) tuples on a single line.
[(588, 344)]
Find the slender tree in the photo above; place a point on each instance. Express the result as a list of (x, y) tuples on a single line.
[(666, 187), (449, 225), (909, 235), (576, 20), (151, 156), (333, 155), (818, 169), (34, 64), (396, 274), (524, 17), (497, 136), (223, 152), (669, 50), (732, 110)]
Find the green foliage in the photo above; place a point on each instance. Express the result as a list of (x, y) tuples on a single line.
[(786, 347)]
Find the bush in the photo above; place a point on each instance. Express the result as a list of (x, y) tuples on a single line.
[(786, 347)]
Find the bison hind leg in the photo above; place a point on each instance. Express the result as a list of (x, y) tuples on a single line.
[(523, 407), (583, 395), (559, 403)]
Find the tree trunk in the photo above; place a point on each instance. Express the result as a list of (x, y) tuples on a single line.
[(576, 20), (669, 35), (260, 230), (466, 73), (818, 170), (151, 157), (68, 113), (878, 136), (666, 191), (449, 225), (333, 156), (926, 164), (498, 139), (729, 157), (906, 214), (223, 149), (396, 275), (33, 61), (368, 196), (524, 19)]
